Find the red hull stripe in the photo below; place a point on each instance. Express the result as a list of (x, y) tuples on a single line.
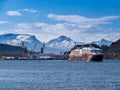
[(88, 54)]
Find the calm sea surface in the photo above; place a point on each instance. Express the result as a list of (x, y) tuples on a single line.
[(59, 75)]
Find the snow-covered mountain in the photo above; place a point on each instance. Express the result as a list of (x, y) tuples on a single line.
[(60, 44), (17, 39), (63, 43), (102, 42), (29, 41)]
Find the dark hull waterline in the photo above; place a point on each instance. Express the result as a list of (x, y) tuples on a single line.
[(97, 58)]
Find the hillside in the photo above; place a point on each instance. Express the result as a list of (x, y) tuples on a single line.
[(110, 52), (30, 41), (57, 45), (17, 39), (102, 42), (113, 51), (8, 50), (63, 43)]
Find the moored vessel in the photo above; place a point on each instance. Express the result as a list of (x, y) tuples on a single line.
[(86, 54)]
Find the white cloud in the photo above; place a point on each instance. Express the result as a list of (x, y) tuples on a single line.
[(77, 27), (4, 22), (30, 10), (109, 36), (83, 22), (25, 26), (41, 25), (19, 12), (46, 32), (14, 13)]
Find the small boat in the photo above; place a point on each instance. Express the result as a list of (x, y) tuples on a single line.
[(86, 54)]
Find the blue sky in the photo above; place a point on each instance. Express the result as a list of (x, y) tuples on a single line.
[(81, 20)]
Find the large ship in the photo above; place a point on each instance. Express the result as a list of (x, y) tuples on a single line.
[(86, 54)]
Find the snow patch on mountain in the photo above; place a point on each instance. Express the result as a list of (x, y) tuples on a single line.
[(102, 42), (62, 42), (29, 41), (17, 39)]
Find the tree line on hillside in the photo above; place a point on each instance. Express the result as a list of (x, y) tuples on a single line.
[(8, 50)]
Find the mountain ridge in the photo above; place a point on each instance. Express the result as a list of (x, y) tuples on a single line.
[(17, 39), (29, 41), (113, 51), (110, 52), (61, 43), (102, 42)]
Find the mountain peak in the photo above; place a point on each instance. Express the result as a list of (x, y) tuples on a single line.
[(62, 42), (16, 40), (30, 41), (63, 37), (103, 39), (102, 42)]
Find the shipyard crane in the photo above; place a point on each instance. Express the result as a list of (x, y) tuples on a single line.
[(32, 50), (24, 49), (42, 48)]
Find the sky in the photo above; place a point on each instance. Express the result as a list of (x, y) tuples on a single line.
[(81, 20)]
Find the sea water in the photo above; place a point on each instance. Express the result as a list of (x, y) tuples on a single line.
[(59, 75)]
